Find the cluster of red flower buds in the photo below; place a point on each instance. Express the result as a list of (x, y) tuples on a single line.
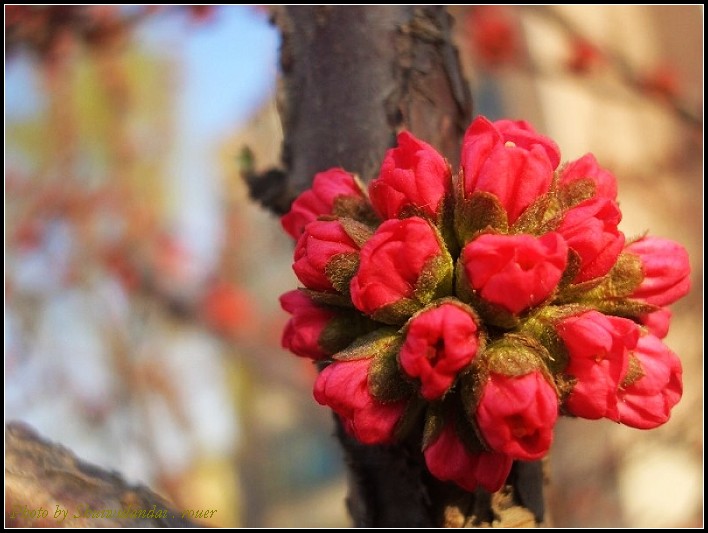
[(482, 304)]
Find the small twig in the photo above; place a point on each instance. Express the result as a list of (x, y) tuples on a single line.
[(620, 66)]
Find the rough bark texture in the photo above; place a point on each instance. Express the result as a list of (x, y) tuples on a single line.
[(43, 479), (352, 77)]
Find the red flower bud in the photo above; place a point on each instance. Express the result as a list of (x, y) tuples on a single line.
[(588, 167), (584, 56), (509, 160), (646, 403), (414, 177), (494, 35), (320, 243), (392, 263), (439, 343), (516, 415), (227, 309), (515, 271), (666, 270), (598, 355), (343, 386), (320, 200), (590, 228), (449, 460), (657, 322), (302, 332), (661, 81)]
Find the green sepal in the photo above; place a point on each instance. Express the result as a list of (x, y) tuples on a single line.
[(435, 280), (341, 269), (515, 355), (396, 313), (554, 313), (532, 220), (564, 386), (471, 384), (409, 419), (634, 372), (452, 411), (623, 279), (609, 295), (556, 353), (542, 327), (343, 329), (577, 292), (469, 434), (478, 213), (357, 231), (575, 192), (623, 307), (379, 341), (356, 207), (410, 210), (446, 225), (572, 268), (328, 298), (386, 381), (434, 423)]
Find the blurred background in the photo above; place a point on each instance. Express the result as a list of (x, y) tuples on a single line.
[(142, 324)]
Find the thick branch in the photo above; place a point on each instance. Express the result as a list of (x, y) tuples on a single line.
[(352, 77), (42, 480)]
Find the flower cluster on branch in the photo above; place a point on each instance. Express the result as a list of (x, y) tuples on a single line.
[(483, 303)]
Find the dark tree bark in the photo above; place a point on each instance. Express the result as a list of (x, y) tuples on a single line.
[(42, 480), (352, 77)]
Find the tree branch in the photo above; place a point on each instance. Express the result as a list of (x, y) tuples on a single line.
[(352, 77), (42, 480)]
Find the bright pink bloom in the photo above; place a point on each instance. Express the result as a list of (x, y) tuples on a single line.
[(319, 200), (657, 322), (516, 415), (666, 270), (321, 241), (391, 262), (509, 160), (343, 386), (449, 460), (413, 175), (515, 271), (302, 332), (647, 403), (598, 350), (590, 228), (588, 167), (439, 343)]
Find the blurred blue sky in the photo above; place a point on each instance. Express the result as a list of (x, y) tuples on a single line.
[(229, 62), (229, 70), (227, 67)]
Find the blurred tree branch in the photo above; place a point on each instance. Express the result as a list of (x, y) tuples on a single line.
[(632, 78), (352, 77), (47, 476)]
